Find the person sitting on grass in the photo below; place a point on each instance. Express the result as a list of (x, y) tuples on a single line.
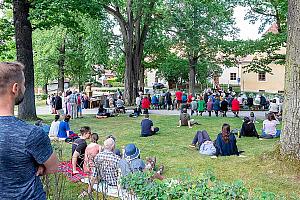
[(252, 117), (102, 113), (64, 128), (136, 112), (269, 127), (78, 148), (200, 138), (185, 119), (106, 166), (120, 105), (226, 143), (132, 163), (147, 128), (54, 127), (45, 127), (90, 153), (248, 129)]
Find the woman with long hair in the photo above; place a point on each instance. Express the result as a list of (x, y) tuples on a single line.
[(226, 142)]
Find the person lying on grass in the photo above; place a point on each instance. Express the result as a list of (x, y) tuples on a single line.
[(78, 148), (185, 119), (224, 145)]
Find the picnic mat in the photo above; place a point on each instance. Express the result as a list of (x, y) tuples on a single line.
[(112, 191), (67, 169)]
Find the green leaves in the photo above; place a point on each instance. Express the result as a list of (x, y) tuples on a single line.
[(207, 187), (7, 42)]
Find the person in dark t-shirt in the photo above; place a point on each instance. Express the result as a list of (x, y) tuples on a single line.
[(26, 152), (147, 127), (78, 148)]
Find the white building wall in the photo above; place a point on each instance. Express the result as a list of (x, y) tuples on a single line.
[(150, 78), (225, 77)]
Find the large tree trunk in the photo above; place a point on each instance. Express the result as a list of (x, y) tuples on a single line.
[(45, 88), (61, 67), (128, 81), (23, 34), (192, 74), (290, 138), (142, 78), (134, 35)]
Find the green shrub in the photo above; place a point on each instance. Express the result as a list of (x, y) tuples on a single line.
[(207, 187), (41, 96)]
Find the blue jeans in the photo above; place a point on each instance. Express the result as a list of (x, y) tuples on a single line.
[(268, 136), (200, 137)]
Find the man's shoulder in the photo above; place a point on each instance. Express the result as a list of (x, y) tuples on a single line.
[(103, 155), (19, 126)]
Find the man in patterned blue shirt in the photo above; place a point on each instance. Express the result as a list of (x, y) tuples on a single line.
[(26, 152)]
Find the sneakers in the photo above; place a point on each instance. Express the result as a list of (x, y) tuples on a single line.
[(192, 145)]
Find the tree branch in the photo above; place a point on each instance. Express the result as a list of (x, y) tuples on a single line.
[(116, 13)]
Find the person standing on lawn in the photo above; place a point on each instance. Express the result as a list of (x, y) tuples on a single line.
[(216, 106), (235, 107), (178, 95), (224, 107), (201, 106), (22, 162), (209, 106)]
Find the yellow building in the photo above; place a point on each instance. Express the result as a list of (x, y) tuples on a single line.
[(262, 81)]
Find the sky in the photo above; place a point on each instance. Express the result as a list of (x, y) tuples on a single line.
[(247, 30)]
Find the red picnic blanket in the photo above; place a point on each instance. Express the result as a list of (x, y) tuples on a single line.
[(67, 169)]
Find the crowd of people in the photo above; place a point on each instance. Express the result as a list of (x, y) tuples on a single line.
[(218, 103), (23, 162)]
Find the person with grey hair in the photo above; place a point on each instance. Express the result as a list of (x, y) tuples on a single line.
[(106, 165)]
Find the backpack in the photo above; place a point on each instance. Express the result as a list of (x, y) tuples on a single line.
[(207, 148)]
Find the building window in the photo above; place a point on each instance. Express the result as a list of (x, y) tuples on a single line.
[(232, 76), (262, 76)]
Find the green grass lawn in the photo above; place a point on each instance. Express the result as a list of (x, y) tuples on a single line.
[(259, 169)]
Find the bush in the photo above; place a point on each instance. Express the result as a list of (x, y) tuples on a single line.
[(41, 96), (207, 187)]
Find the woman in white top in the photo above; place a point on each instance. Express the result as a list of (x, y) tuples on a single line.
[(269, 127), (274, 107), (54, 127)]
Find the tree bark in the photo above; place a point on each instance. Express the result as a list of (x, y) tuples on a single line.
[(142, 77), (192, 75), (134, 35), (61, 68), (45, 88), (290, 137), (23, 35)]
